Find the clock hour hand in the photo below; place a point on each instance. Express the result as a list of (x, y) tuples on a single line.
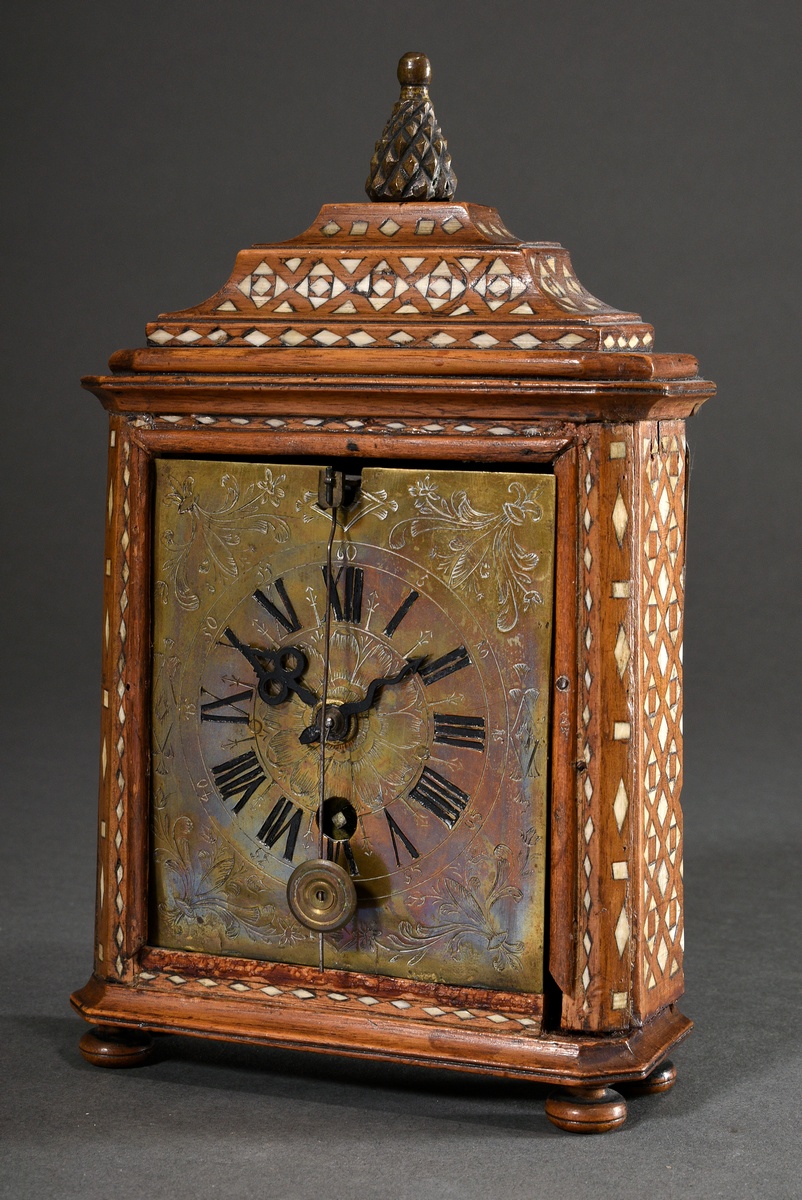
[(279, 671), (340, 714)]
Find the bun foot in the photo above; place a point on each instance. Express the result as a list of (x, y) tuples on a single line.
[(586, 1109), (112, 1046), (662, 1079)]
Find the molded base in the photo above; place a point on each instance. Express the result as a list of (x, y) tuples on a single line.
[(109, 1046), (581, 1066), (586, 1110)]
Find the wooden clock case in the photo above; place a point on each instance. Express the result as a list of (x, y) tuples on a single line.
[(425, 332)]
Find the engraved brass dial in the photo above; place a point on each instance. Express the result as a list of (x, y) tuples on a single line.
[(440, 612)]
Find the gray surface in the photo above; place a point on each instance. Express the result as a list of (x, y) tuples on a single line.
[(148, 143)]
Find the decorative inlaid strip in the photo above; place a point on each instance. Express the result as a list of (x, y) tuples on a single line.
[(402, 1008), (122, 634), (588, 710), (400, 338), (388, 427), (409, 224), (663, 483), (111, 874)]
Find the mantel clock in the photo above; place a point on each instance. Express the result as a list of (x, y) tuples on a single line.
[(391, 747)]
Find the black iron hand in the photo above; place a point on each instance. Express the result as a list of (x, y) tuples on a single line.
[(354, 707), (359, 706), (279, 671)]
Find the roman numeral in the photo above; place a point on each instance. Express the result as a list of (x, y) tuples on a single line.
[(209, 709), (397, 835), (240, 776), (333, 847), (441, 797), (399, 615), (347, 607), (284, 818), (459, 731), (447, 664), (288, 619)]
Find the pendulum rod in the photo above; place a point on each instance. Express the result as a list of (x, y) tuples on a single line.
[(325, 721)]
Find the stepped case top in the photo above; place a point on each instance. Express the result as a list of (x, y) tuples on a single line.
[(418, 331)]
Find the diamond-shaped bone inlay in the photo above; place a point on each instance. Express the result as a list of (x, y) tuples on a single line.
[(620, 805), (621, 651), (440, 285), (620, 518), (622, 931), (325, 337), (320, 285), (292, 338), (497, 285)]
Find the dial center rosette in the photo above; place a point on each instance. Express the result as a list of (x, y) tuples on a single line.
[(372, 755)]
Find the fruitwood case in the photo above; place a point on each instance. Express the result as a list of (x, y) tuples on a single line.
[(419, 333)]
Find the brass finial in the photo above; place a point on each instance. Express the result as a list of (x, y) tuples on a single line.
[(411, 159)]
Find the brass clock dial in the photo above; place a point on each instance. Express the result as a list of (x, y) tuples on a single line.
[(439, 605)]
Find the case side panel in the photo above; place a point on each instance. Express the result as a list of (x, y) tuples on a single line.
[(663, 467), (602, 999), (120, 910)]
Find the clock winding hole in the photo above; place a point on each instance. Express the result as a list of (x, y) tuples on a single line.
[(339, 819)]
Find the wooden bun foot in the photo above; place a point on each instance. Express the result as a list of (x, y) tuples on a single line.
[(586, 1109), (662, 1079), (111, 1046)]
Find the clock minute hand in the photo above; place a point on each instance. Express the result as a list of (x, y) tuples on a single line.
[(354, 707), (278, 671), (311, 734)]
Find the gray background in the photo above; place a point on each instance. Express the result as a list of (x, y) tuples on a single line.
[(146, 144)]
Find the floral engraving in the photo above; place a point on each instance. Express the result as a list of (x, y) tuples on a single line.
[(464, 904), (367, 504), (360, 936), (165, 663), (207, 891), (471, 549), (527, 760), (202, 544)]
